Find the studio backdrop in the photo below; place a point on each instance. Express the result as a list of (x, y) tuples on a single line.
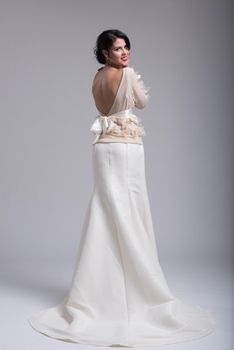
[(184, 50)]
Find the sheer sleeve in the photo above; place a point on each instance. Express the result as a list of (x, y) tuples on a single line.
[(139, 90)]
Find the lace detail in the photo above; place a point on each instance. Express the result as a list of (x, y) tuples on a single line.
[(125, 127), (117, 126)]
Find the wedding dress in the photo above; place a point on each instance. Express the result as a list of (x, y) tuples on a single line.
[(118, 294)]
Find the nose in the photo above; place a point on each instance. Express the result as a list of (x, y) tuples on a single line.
[(125, 52)]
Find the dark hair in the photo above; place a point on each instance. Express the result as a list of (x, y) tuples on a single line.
[(105, 41)]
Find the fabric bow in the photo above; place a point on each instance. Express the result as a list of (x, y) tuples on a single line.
[(101, 124)]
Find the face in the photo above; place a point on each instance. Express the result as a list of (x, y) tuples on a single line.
[(118, 55)]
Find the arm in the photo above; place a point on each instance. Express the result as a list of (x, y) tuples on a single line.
[(140, 92)]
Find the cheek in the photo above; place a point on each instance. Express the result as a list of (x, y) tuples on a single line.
[(116, 55)]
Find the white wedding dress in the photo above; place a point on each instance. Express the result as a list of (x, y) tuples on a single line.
[(119, 295)]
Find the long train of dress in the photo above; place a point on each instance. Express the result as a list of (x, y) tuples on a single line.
[(118, 294)]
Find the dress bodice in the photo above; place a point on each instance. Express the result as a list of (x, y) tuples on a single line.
[(120, 124)]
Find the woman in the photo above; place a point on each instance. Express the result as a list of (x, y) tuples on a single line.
[(118, 294)]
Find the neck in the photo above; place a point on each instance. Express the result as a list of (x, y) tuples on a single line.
[(114, 65)]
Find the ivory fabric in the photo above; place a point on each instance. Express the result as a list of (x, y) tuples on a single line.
[(118, 293), (123, 126), (112, 127)]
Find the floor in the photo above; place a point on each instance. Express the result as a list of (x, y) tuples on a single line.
[(29, 286)]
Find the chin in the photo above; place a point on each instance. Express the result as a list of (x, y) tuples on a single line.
[(125, 63)]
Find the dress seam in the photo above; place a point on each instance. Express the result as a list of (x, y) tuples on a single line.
[(117, 236)]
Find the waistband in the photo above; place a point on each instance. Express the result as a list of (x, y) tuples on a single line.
[(104, 122), (123, 113)]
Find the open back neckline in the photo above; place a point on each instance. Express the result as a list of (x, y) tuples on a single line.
[(117, 93)]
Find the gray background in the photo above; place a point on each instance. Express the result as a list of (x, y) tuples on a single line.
[(184, 51)]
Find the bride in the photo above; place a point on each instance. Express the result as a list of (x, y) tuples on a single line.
[(118, 294)]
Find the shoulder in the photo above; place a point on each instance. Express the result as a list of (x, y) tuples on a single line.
[(134, 76), (108, 73), (129, 70), (131, 73), (114, 72)]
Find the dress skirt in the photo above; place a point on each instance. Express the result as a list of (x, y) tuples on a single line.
[(118, 294)]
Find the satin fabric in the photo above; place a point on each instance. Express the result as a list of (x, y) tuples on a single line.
[(118, 294)]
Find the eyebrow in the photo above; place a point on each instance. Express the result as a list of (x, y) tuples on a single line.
[(117, 47)]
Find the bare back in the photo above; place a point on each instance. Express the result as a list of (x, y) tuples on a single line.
[(105, 87)]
